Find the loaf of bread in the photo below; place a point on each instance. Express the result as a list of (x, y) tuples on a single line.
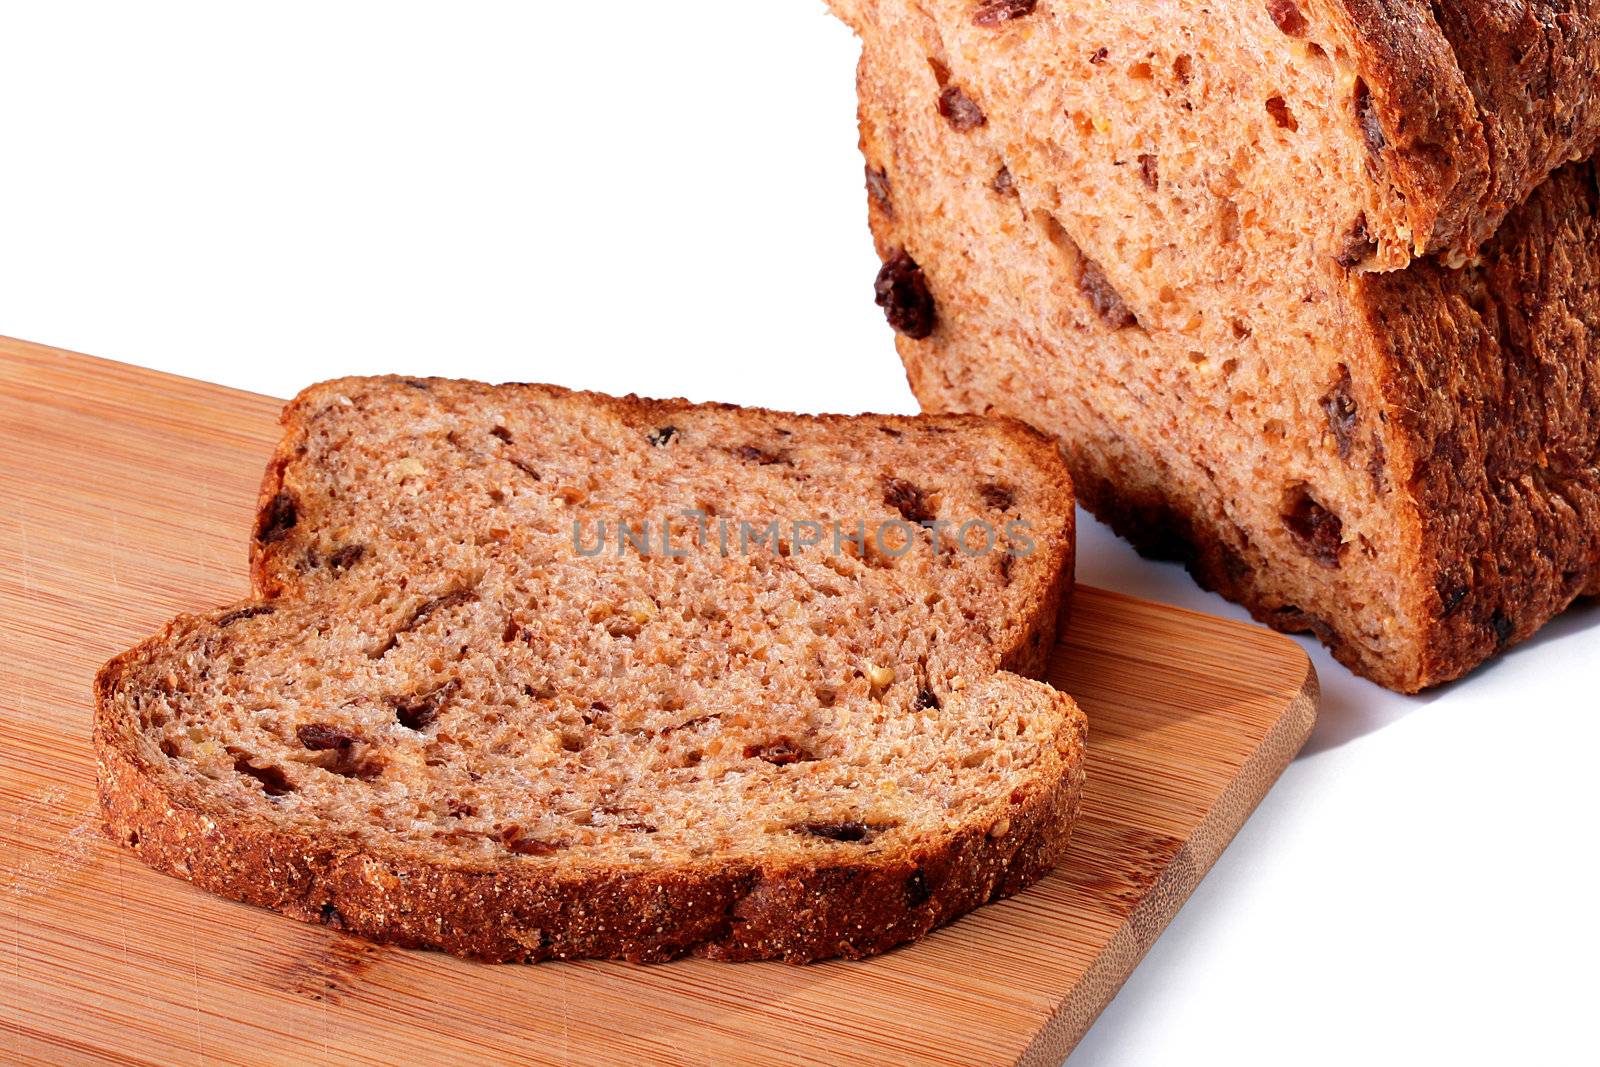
[(534, 674), (1306, 289)]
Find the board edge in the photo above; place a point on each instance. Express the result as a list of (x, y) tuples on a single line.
[(1053, 1042)]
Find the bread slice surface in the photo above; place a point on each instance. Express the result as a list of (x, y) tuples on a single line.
[(1167, 242), (475, 706)]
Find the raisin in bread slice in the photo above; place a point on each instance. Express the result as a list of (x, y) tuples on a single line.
[(1197, 243), (460, 716)]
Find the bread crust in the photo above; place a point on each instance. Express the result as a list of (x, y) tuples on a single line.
[(518, 909), (1481, 102), (522, 912), (1491, 377), (1435, 156)]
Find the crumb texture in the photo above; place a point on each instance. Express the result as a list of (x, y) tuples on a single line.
[(1274, 275), (481, 705)]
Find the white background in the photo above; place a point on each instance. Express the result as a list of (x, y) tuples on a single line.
[(667, 198)]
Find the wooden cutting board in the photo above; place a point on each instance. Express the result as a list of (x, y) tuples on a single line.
[(126, 496)]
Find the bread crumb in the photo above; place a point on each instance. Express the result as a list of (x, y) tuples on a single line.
[(408, 467)]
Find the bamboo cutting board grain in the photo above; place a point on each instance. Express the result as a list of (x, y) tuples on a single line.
[(126, 496)]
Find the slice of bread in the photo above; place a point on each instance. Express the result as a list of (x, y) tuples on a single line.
[(461, 716), (1200, 243)]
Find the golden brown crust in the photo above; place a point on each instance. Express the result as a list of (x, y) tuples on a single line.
[(517, 909), (1492, 382), (513, 912), (1434, 152), (1480, 101)]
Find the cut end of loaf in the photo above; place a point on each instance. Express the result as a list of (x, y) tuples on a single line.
[(1176, 241)]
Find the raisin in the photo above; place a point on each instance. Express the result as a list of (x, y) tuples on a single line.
[(1340, 407), (1376, 466), (999, 12), (1294, 620), (273, 781), (917, 891), (1367, 116), (1150, 172), (997, 496), (502, 433), (526, 846), (1287, 17), (661, 435), (1235, 568), (365, 769), (780, 752), (837, 831), (426, 608), (689, 724), (524, 468), (1502, 626), (927, 700), (1003, 183), (439, 603), (902, 291), (754, 454), (1103, 296), (277, 519), (421, 386), (1357, 245), (251, 612), (909, 500), (1318, 531), (959, 110), (321, 736), (1278, 108), (418, 712), (1450, 598), (329, 916), (342, 559), (1099, 56), (878, 190)]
